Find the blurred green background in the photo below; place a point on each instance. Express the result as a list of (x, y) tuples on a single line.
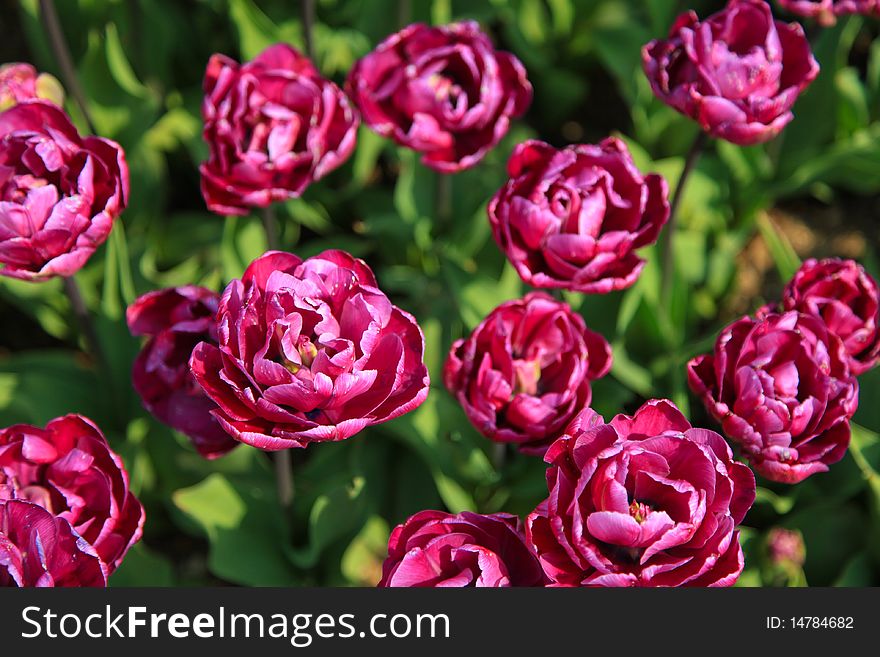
[(749, 214)]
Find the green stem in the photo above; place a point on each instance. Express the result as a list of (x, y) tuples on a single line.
[(62, 54), (284, 478), (308, 21), (499, 456), (868, 472), (270, 226), (667, 243), (84, 320), (404, 13), (443, 201)]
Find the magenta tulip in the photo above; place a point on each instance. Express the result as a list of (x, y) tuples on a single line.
[(437, 549), (780, 386), (442, 91), (525, 371), (273, 126), (69, 469), (176, 320), (38, 549), (573, 218), (845, 297), (59, 192), (309, 351), (738, 73), (645, 500), (828, 11)]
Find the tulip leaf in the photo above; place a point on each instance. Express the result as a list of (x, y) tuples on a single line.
[(256, 31), (36, 387), (858, 571), (833, 533), (784, 257), (362, 561), (865, 450), (781, 504), (243, 242), (242, 520), (119, 66), (143, 567), (339, 512)]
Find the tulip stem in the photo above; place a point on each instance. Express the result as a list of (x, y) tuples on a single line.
[(668, 263), (308, 21), (270, 226), (499, 456), (443, 200), (404, 12), (284, 478), (65, 61), (84, 320)]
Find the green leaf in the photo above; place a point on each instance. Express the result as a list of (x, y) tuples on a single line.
[(629, 373), (833, 534), (857, 572), (362, 561), (119, 66), (243, 241), (784, 257), (256, 31), (366, 156), (782, 504), (36, 387), (853, 112), (244, 525), (334, 514), (865, 450), (143, 567)]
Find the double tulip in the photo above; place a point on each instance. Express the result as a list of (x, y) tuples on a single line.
[(525, 371), (438, 549), (20, 82), (781, 387), (309, 351), (573, 218), (645, 500), (845, 297), (442, 91), (40, 549), (67, 515), (737, 73), (827, 11), (175, 321), (59, 192), (273, 125)]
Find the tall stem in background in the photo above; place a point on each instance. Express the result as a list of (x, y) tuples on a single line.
[(308, 20), (284, 478), (499, 456), (49, 16), (84, 321), (443, 200), (270, 226), (404, 13), (668, 263)]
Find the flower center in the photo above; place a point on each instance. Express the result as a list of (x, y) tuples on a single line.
[(639, 511), (527, 376), (307, 353)]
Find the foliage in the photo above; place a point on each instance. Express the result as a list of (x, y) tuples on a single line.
[(141, 64)]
